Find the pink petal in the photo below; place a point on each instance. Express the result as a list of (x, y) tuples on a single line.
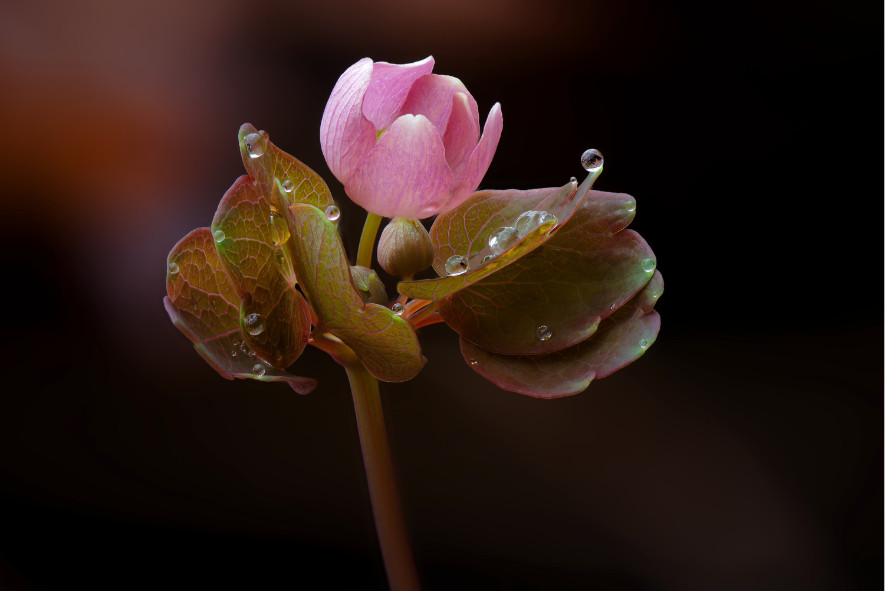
[(431, 96), (345, 135), (462, 134), (388, 88), (480, 159), (405, 174)]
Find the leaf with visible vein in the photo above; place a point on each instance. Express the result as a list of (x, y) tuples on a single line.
[(258, 269), (466, 230), (579, 277), (622, 338), (203, 304), (384, 342)]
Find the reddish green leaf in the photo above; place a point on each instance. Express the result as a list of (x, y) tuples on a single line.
[(384, 342), (466, 232), (300, 183), (203, 304), (622, 338), (579, 277), (250, 235)]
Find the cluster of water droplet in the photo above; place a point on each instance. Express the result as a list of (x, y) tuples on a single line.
[(240, 347)]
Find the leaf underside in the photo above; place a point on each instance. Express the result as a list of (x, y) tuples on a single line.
[(621, 338)]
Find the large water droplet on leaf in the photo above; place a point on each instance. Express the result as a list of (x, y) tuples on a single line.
[(254, 324), (258, 369), (591, 160), (543, 333), (287, 186), (502, 239), (279, 229), (332, 213), (530, 220), (456, 265), (173, 268), (218, 236), (648, 265), (255, 144)]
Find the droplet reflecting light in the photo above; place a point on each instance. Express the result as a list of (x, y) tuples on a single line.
[(591, 160), (456, 265), (254, 323)]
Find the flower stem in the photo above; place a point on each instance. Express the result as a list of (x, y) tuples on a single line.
[(367, 240), (389, 522)]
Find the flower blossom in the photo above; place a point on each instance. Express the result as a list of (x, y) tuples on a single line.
[(405, 142)]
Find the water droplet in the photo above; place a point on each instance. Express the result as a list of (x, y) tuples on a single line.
[(456, 265), (233, 352), (258, 369), (173, 268), (591, 160), (287, 186), (236, 343), (573, 181), (279, 229), (332, 213), (487, 258), (530, 220), (474, 361), (502, 239), (648, 265), (218, 236), (255, 144), (254, 323), (251, 353), (631, 206), (543, 333), (397, 308), (644, 343)]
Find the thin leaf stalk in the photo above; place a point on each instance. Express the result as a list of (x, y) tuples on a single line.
[(367, 239)]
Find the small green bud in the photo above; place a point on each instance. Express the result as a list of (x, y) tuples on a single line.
[(405, 248), (370, 287)]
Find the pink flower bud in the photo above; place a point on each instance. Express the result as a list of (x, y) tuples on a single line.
[(405, 142)]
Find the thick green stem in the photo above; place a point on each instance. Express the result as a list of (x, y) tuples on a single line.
[(367, 240), (380, 474)]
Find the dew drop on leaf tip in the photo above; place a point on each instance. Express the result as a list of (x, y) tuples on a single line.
[(591, 160), (255, 144)]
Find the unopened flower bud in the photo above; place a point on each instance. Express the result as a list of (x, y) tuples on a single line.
[(405, 248), (370, 287)]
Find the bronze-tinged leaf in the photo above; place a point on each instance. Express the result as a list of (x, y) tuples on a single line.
[(203, 304), (264, 162), (486, 233), (250, 235), (385, 343), (621, 339), (556, 296)]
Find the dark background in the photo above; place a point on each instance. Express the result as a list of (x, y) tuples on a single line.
[(744, 451)]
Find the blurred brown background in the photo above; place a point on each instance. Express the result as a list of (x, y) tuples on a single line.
[(744, 451)]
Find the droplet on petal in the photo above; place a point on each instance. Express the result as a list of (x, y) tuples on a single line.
[(530, 220), (332, 213), (456, 265), (591, 160), (255, 144), (543, 333), (173, 268), (502, 239), (258, 369), (254, 323), (397, 308), (648, 265), (287, 186)]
